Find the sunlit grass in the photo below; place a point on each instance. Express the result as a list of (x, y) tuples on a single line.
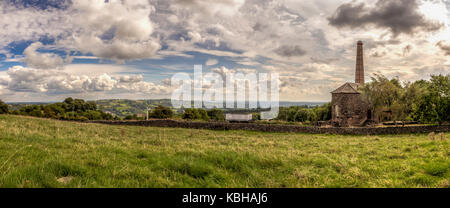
[(48, 153)]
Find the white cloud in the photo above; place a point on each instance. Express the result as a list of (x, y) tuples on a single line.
[(127, 23), (210, 8), (118, 50), (223, 71), (27, 79), (99, 69), (41, 60), (117, 30), (24, 79), (211, 62), (130, 78), (20, 24)]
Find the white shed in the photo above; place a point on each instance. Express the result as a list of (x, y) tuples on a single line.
[(238, 117)]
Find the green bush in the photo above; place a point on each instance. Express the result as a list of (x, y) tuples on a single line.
[(191, 114), (161, 112), (301, 115), (3, 108), (133, 117), (216, 114), (195, 114), (305, 114), (203, 114)]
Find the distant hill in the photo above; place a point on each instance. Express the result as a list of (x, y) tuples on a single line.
[(309, 104), (124, 108)]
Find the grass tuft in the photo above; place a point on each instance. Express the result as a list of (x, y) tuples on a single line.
[(437, 168)]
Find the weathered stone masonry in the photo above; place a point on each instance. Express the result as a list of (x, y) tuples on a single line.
[(281, 128)]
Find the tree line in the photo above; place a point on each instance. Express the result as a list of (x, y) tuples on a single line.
[(305, 114), (80, 110), (423, 101), (162, 112), (69, 109)]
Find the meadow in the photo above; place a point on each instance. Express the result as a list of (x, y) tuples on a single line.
[(37, 152)]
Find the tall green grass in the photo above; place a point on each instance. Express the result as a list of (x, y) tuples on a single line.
[(48, 153)]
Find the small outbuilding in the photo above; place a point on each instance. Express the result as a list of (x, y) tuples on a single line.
[(238, 117), (348, 107)]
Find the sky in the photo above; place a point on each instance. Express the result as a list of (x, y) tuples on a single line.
[(130, 49)]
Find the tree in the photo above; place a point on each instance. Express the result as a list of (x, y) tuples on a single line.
[(434, 102), (283, 114), (132, 117), (203, 114), (68, 100), (291, 115), (216, 114), (323, 112), (423, 101), (381, 94), (195, 114), (93, 115), (3, 108), (440, 91), (48, 112), (312, 116), (161, 112), (301, 115), (191, 114), (409, 96)]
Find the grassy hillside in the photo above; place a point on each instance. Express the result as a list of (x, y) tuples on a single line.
[(48, 153)]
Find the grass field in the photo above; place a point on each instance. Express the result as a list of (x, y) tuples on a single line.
[(48, 153)]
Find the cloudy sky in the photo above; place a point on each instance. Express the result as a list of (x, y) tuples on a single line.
[(97, 49)]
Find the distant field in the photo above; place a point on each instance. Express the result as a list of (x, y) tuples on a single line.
[(48, 153)]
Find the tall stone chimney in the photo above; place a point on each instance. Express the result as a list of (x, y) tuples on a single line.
[(359, 75)]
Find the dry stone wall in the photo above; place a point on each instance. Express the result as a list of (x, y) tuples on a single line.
[(282, 128)]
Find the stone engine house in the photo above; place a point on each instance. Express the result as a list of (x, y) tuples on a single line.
[(348, 107)]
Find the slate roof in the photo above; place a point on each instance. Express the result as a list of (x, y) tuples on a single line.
[(349, 88)]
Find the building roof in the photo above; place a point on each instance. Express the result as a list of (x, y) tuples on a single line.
[(347, 88)]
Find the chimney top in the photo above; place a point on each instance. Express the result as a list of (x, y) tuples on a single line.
[(360, 42)]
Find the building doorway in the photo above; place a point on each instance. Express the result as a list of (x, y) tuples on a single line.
[(369, 114)]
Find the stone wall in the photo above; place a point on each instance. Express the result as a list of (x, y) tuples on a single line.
[(281, 128)]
